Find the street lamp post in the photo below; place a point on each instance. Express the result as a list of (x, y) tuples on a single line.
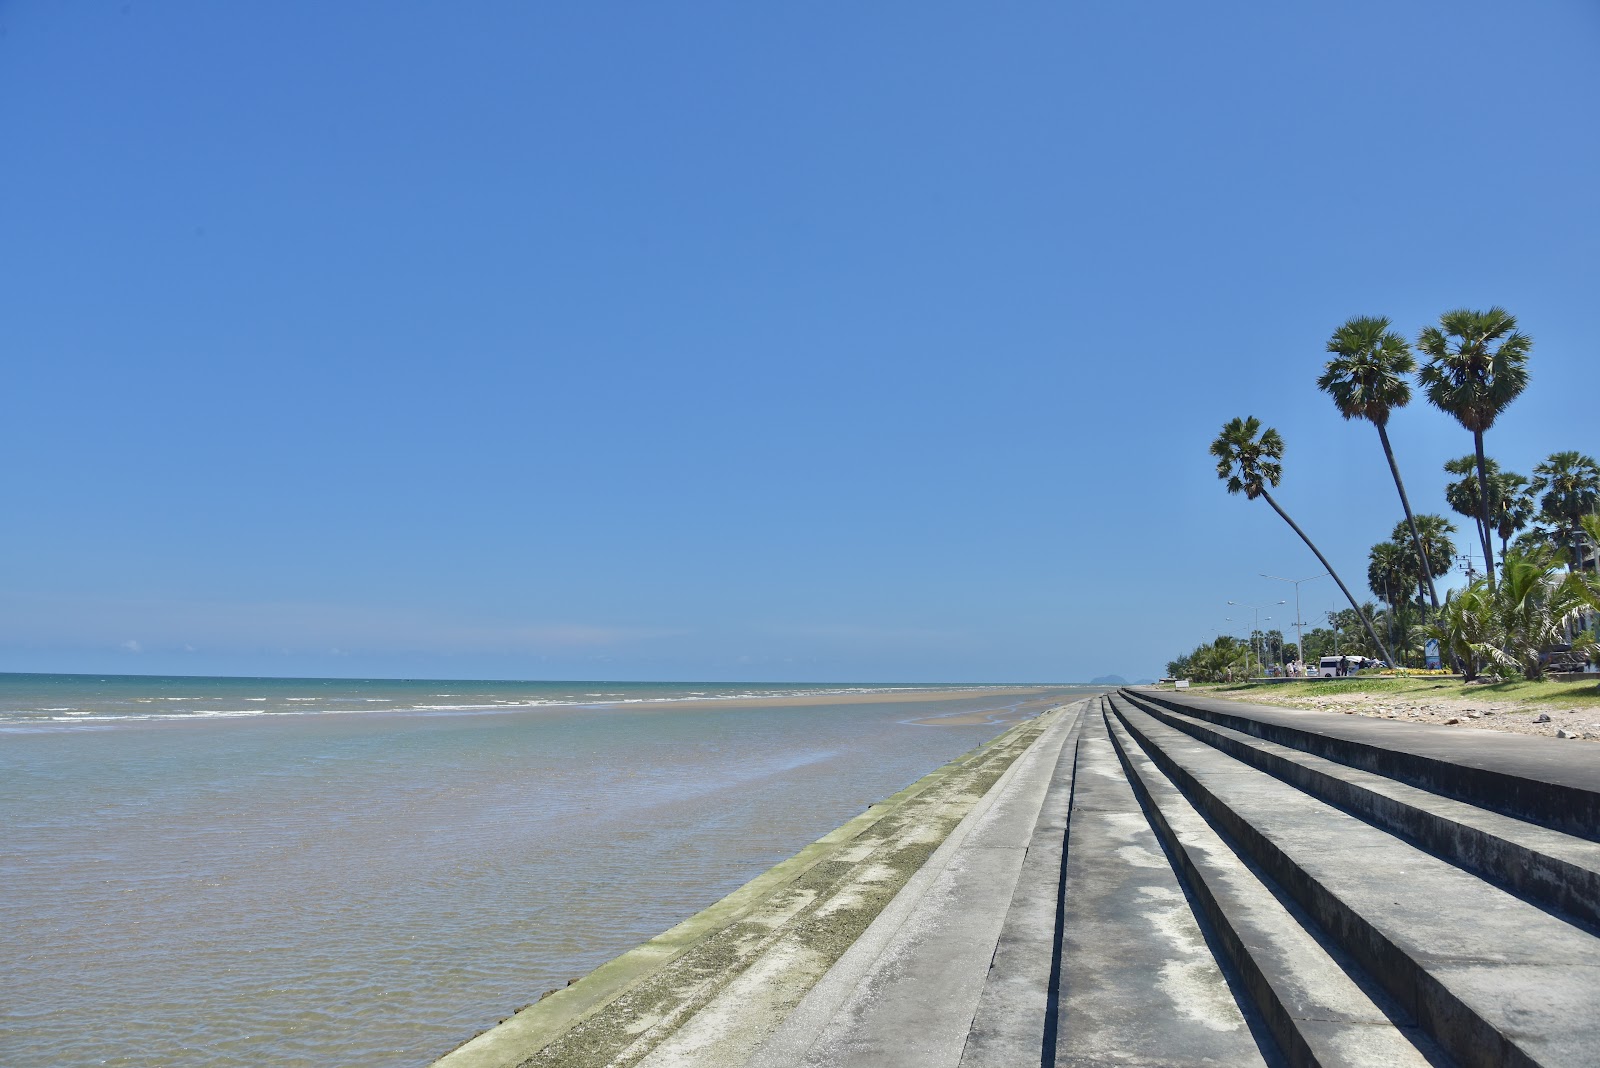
[(1299, 637), (1256, 624)]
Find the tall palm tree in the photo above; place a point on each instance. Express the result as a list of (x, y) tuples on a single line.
[(1463, 495), (1391, 572), (1367, 380), (1477, 365), (1250, 465), (1569, 485), (1392, 575), (1514, 510), (1510, 503), (1438, 547)]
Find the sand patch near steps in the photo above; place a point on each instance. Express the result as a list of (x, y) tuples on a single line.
[(1507, 717)]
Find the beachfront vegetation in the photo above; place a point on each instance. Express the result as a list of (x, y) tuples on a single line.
[(1477, 365), (1510, 503), (1568, 485), (1222, 660), (1250, 461)]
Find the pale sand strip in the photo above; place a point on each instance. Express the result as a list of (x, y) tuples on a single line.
[(893, 697)]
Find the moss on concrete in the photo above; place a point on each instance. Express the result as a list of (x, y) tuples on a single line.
[(786, 926)]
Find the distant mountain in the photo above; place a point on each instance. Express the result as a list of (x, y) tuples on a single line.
[(1109, 680)]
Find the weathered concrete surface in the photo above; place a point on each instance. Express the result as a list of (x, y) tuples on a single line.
[(1560, 870), (1014, 1021), (906, 992), (1529, 778), (1476, 966), (1114, 884), (1139, 985), (1315, 1010), (768, 941)]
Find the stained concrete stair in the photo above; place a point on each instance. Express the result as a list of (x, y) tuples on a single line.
[(1317, 1012), (905, 995), (1014, 1019), (1558, 870), (1174, 880), (1520, 776), (1492, 978), (1139, 984)]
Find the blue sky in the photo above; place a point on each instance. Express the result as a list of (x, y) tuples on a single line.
[(734, 341)]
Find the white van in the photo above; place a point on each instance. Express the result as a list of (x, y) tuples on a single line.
[(1328, 666)]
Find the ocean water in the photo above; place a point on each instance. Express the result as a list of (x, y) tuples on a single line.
[(366, 872)]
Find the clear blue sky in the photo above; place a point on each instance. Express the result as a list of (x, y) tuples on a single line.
[(743, 341)]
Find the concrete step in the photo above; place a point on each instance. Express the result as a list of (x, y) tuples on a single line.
[(904, 995), (1318, 1013), (1493, 979), (1535, 779), (1015, 1020), (1139, 984), (1560, 871)]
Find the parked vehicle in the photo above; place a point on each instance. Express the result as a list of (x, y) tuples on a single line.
[(1328, 666)]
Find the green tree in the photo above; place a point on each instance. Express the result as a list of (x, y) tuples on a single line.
[(1222, 660), (1465, 628), (1477, 365), (1534, 610), (1510, 504), (1406, 625), (1250, 461), (1568, 485), (1434, 532), (1391, 572), (1507, 628), (1367, 380), (1320, 642), (1356, 632)]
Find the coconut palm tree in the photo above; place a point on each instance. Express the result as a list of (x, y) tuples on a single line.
[(1367, 380), (1535, 610), (1477, 365), (1466, 628), (1252, 464), (1569, 485)]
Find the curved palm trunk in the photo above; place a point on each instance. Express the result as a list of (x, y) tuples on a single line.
[(1483, 506), (1376, 641), (1411, 520)]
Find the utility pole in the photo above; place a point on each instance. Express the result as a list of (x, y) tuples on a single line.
[(1256, 624), (1299, 636)]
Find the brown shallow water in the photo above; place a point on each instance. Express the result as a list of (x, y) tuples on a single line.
[(371, 889)]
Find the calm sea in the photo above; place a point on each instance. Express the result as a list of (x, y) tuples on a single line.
[(366, 872)]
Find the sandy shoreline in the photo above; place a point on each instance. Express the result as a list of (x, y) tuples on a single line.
[(1482, 713)]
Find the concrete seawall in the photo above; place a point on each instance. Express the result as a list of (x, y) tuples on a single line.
[(770, 940), (1143, 878)]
